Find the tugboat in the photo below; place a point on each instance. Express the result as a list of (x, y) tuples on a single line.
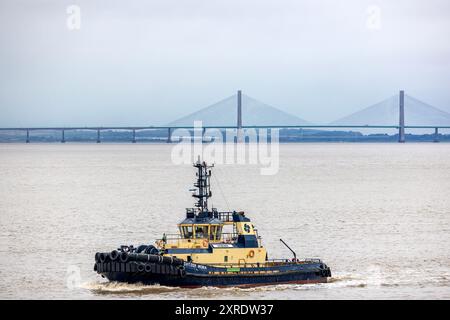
[(202, 254)]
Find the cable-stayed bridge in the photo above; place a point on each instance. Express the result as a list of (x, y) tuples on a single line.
[(400, 112)]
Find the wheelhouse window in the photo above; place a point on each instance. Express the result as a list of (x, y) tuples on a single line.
[(212, 232), (216, 232), (219, 232), (186, 231), (202, 231), (212, 235)]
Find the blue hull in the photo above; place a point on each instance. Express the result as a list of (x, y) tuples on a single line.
[(192, 275)]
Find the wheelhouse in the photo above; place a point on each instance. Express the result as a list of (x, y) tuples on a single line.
[(210, 230)]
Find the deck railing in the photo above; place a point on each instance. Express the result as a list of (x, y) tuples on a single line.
[(268, 263), (226, 237)]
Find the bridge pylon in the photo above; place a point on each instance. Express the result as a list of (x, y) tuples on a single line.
[(169, 135), (401, 124)]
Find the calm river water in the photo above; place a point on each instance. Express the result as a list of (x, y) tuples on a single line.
[(378, 214)]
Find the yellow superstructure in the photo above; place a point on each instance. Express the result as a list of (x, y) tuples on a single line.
[(202, 240)]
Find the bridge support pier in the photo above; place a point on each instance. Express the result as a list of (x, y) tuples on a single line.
[(239, 131), (401, 124), (436, 135), (28, 136), (63, 139), (98, 136), (134, 136), (169, 135)]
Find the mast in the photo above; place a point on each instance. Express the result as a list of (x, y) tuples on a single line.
[(203, 185)]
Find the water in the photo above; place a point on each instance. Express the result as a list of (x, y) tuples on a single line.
[(378, 214)]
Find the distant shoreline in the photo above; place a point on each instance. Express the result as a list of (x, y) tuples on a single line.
[(161, 136)]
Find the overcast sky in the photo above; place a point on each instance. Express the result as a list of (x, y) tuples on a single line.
[(146, 62)]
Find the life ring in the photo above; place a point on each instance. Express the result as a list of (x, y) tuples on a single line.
[(205, 243), (251, 254)]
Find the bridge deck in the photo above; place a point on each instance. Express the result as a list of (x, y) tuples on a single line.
[(225, 127)]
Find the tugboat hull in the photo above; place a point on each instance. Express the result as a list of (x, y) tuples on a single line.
[(194, 275), (191, 281)]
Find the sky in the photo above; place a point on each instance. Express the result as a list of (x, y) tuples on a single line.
[(147, 62)]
